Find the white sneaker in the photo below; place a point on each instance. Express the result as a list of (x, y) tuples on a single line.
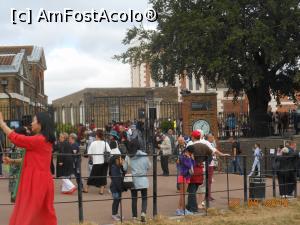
[(143, 217), (115, 217)]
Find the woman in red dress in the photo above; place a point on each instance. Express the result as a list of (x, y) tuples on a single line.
[(34, 202)]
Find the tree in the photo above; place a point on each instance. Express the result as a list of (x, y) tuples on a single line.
[(252, 46)]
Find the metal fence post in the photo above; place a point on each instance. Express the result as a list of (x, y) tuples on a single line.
[(154, 181), (206, 183), (273, 176), (296, 182), (227, 180), (79, 185), (245, 179)]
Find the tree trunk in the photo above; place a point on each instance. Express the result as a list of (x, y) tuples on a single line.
[(260, 122)]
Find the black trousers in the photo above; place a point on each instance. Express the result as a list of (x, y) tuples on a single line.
[(164, 162), (287, 182), (192, 204), (116, 202), (134, 196)]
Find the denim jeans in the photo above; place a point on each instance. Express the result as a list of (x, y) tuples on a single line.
[(192, 204), (236, 165), (134, 196), (116, 202)]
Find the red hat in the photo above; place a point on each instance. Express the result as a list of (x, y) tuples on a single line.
[(196, 134)]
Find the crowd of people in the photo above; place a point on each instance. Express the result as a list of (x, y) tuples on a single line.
[(277, 123), (119, 152)]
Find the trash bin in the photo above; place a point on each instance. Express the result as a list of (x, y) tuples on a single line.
[(257, 187)]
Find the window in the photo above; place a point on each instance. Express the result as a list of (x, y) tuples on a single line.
[(55, 116), (81, 113), (114, 111), (72, 114), (197, 85), (21, 87), (190, 83), (63, 115)]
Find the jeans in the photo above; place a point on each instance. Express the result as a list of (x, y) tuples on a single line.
[(236, 165), (256, 163), (192, 204), (116, 202), (164, 160), (134, 196)]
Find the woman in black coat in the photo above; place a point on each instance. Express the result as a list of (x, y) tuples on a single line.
[(286, 171), (64, 164)]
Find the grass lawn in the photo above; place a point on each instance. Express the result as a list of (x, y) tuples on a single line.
[(254, 215)]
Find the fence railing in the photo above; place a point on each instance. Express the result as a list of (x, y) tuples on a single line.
[(246, 188)]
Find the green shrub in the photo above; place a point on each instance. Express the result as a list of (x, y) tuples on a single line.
[(166, 125)]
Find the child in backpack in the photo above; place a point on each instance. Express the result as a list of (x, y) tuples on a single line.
[(116, 186)]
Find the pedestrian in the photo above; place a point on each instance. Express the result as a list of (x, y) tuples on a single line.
[(286, 172), (181, 144), (116, 186), (64, 164), (197, 177), (186, 163), (165, 152), (236, 158), (257, 157), (139, 165), (76, 157), (15, 161), (98, 176), (34, 202)]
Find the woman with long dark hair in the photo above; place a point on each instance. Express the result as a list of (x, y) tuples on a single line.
[(98, 176), (34, 202)]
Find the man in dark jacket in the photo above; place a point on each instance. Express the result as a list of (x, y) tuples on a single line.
[(286, 172), (201, 153)]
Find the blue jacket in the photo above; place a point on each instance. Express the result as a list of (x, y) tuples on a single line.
[(139, 166), (116, 174)]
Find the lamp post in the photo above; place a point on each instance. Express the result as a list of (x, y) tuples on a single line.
[(4, 84)]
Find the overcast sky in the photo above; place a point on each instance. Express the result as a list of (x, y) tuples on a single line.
[(78, 55)]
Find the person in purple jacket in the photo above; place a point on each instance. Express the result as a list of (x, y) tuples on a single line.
[(186, 164)]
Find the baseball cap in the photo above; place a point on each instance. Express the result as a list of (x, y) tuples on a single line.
[(196, 134)]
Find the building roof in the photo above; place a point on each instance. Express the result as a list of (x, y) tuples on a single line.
[(6, 59), (11, 57), (169, 93)]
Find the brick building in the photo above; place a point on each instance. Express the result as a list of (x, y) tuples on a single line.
[(141, 77), (22, 79), (103, 105)]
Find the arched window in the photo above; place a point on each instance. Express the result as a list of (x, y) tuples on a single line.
[(63, 115), (72, 114), (55, 116), (81, 113)]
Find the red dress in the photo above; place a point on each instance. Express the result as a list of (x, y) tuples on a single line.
[(34, 203)]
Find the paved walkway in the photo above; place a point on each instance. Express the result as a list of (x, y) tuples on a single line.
[(100, 211)]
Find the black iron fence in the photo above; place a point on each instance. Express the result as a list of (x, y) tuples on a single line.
[(275, 124), (257, 189)]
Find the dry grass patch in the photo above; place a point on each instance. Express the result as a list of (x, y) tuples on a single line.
[(260, 215)]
